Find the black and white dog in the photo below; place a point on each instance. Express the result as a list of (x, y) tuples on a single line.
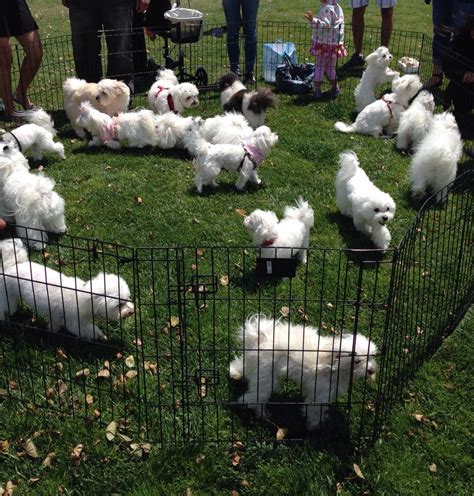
[(252, 104)]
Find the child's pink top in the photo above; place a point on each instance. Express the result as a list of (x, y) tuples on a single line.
[(328, 28)]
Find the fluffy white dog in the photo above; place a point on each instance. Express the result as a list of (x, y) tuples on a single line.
[(137, 128), (377, 72), (357, 197), (167, 94), (108, 96), (28, 200), (67, 302), (416, 121), (172, 129), (285, 238), (36, 136), (322, 366), (383, 115), (244, 158), (228, 128), (435, 162)]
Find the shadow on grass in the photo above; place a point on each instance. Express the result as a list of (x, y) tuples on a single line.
[(226, 188)]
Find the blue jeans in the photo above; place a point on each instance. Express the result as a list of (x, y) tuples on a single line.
[(248, 19), (447, 14)]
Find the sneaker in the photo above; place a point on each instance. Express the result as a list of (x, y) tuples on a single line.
[(332, 93), (249, 78), (357, 60), (317, 94)]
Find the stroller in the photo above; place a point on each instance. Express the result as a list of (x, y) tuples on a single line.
[(181, 26)]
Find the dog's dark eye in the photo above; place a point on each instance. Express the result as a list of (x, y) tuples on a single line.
[(388, 208), (376, 210), (384, 56)]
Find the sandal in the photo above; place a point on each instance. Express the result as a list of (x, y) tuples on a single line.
[(434, 81), (27, 106)]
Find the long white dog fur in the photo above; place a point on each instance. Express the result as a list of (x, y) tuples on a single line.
[(322, 366), (435, 162), (286, 238), (357, 197), (66, 302)]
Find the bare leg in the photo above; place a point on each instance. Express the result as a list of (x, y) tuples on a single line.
[(5, 76), (31, 43), (358, 26), (387, 24)]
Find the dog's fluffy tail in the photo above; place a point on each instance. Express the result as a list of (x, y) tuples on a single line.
[(262, 99), (71, 85), (302, 212), (257, 330), (227, 80), (13, 252), (168, 75), (195, 143), (344, 128), (348, 164), (39, 117)]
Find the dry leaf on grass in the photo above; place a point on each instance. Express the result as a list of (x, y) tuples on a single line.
[(224, 280), (285, 311), (174, 321), (433, 468), (240, 212), (4, 445), (60, 353), (130, 361), (33, 480), (48, 461), (358, 471), (30, 449), (244, 483), (281, 433), (89, 399), (111, 430), (131, 374), (77, 453), (235, 459), (200, 458), (103, 374), (83, 373), (138, 200)]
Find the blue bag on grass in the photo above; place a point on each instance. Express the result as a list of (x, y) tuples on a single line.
[(273, 55)]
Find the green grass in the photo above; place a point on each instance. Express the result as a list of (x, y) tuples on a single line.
[(101, 189)]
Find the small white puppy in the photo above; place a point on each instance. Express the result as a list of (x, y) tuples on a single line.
[(416, 121), (108, 96), (244, 158), (137, 128), (167, 94), (29, 200), (286, 238), (36, 136), (357, 197), (377, 72), (435, 162), (66, 302), (383, 115), (322, 366)]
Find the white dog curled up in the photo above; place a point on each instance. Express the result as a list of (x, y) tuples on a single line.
[(36, 136), (286, 238), (66, 302), (137, 128), (382, 116), (108, 96), (377, 72), (29, 200), (435, 162), (167, 94), (357, 197), (416, 121), (322, 366), (244, 158)]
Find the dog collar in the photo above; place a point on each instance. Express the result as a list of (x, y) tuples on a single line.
[(169, 98), (253, 154), (109, 131), (389, 104), (17, 141), (268, 242)]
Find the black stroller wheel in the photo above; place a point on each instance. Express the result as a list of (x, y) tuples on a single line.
[(201, 77)]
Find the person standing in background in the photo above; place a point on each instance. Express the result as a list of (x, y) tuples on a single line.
[(358, 27), (16, 20), (87, 18), (237, 13)]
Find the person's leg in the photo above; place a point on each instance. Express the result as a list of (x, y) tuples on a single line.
[(31, 43), (318, 76), (387, 25), (5, 76), (358, 27), (138, 45), (233, 20), (85, 22), (118, 21), (249, 16)]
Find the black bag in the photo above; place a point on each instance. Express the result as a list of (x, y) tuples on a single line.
[(294, 79)]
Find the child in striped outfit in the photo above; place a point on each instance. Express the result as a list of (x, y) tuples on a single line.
[(327, 44)]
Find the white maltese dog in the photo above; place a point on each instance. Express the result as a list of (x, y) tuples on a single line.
[(252, 104), (244, 158), (167, 94), (66, 302), (286, 238), (357, 197), (28, 200), (172, 129), (36, 136), (137, 128), (377, 72), (109, 96), (228, 128), (435, 162), (416, 121), (383, 115), (322, 366)]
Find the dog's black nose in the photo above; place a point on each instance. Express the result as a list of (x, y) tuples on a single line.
[(97, 97), (385, 218)]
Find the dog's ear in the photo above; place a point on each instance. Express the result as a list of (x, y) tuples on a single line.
[(372, 57)]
